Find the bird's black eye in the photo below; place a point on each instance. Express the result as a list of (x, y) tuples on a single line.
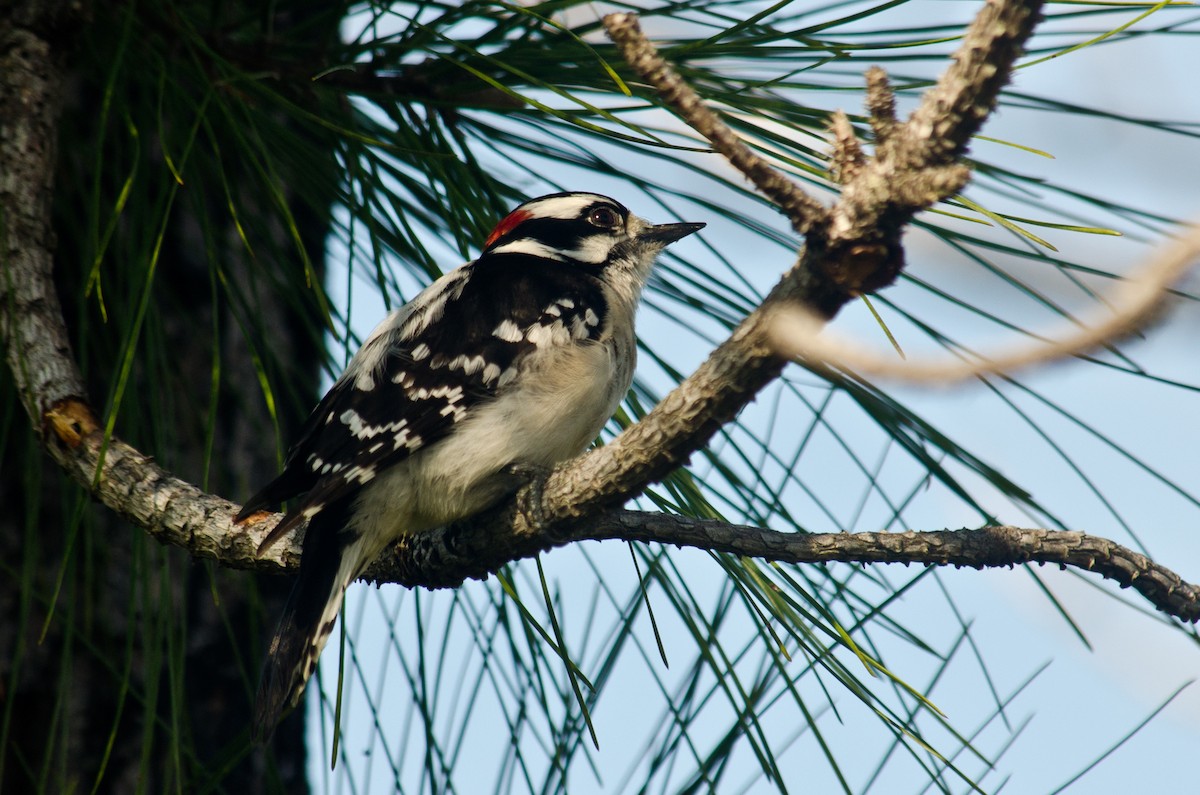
[(604, 217)]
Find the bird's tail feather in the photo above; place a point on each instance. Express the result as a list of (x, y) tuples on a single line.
[(329, 563)]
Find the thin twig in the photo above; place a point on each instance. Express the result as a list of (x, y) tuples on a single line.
[(846, 160), (916, 162), (881, 105), (951, 113), (802, 210)]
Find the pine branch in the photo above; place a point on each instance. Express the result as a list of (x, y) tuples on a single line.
[(477, 550), (178, 513), (852, 248)]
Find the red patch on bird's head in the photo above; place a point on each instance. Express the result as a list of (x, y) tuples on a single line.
[(514, 219)]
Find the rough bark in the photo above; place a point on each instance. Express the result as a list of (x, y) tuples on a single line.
[(472, 551)]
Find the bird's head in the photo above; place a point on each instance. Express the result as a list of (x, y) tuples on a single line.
[(584, 229)]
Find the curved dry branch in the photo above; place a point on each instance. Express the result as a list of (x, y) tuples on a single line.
[(35, 338), (842, 256), (797, 333)]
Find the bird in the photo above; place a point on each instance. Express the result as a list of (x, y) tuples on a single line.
[(507, 364)]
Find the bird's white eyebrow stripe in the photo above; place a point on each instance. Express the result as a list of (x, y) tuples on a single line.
[(527, 245), (563, 207)]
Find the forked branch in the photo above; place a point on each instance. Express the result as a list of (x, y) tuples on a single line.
[(851, 247)]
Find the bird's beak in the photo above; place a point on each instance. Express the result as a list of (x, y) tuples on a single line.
[(667, 233)]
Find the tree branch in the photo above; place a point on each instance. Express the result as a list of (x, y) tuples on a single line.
[(180, 514), (471, 554), (552, 513), (35, 338), (1138, 301)]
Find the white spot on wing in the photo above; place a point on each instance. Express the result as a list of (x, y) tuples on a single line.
[(540, 335), (362, 474), (451, 394), (507, 331), (543, 334), (361, 430), (406, 439), (468, 364)]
